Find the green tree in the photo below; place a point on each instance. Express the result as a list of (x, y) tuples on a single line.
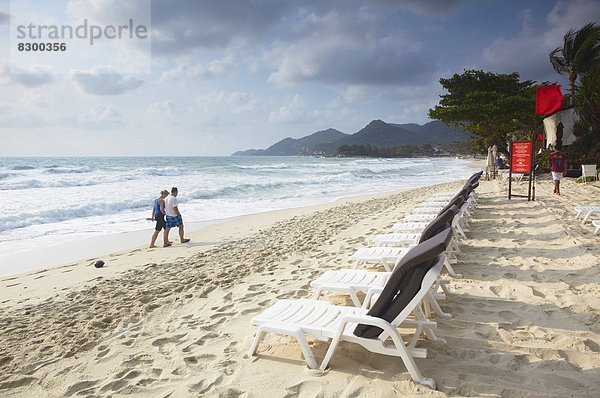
[(579, 53), (587, 105), (587, 98), (491, 106)]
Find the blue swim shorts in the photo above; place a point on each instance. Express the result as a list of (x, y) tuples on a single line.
[(173, 221)]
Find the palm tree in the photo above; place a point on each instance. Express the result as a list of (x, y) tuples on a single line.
[(580, 51)]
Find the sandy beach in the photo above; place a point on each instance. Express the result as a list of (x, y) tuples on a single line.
[(176, 322)]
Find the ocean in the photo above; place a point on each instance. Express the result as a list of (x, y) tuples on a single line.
[(47, 201)]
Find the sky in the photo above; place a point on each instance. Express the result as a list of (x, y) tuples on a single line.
[(213, 77)]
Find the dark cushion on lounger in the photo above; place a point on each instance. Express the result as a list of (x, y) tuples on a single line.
[(441, 222), (457, 201), (405, 281)]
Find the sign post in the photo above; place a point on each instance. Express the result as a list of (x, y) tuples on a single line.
[(521, 153)]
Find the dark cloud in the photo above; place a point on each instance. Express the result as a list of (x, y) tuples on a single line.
[(527, 51), (4, 18), (181, 25), (105, 82), (375, 66), (346, 48), (187, 24), (428, 7)]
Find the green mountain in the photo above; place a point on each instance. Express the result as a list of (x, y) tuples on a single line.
[(296, 146), (377, 133)]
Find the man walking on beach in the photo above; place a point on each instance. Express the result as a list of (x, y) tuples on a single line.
[(174, 218), (558, 165)]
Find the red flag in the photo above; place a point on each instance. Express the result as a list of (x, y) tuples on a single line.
[(548, 100)]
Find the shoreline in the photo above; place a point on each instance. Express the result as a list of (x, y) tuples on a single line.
[(44, 281), (107, 245)]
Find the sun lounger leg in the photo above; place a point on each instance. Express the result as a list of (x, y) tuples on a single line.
[(450, 269), (443, 284), (436, 307), (587, 216), (423, 325), (296, 333), (410, 364), (403, 353)]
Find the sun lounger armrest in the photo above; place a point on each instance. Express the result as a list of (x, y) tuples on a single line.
[(371, 293), (388, 328)]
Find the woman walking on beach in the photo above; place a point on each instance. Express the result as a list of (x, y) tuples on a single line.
[(158, 215)]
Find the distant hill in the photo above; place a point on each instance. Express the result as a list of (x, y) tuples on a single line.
[(377, 133), (381, 134), (292, 146)]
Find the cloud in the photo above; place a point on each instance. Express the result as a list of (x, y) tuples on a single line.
[(28, 76), (101, 117), (429, 7), (167, 107), (22, 121), (5, 108), (105, 81), (293, 111), (218, 67), (223, 102), (506, 54), (355, 93), (4, 18), (334, 51), (211, 23)]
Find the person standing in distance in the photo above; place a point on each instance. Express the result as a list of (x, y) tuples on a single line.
[(558, 165), (158, 215), (174, 218)]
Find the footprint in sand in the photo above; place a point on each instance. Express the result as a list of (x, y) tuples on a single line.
[(254, 288), (232, 393), (223, 308), (139, 360), (250, 311), (226, 367), (81, 387), (230, 349), (592, 345), (537, 293)]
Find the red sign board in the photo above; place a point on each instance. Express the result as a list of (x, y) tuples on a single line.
[(520, 157)]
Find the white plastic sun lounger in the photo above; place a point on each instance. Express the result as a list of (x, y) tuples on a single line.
[(371, 283), (386, 256), (325, 321), (423, 217), (397, 239), (587, 211), (596, 223), (427, 209), (407, 227)]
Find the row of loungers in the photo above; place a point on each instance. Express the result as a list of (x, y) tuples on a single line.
[(403, 298)]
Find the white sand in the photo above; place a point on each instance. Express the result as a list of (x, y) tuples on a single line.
[(176, 322)]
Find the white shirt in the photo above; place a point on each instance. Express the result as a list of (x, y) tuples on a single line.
[(170, 205)]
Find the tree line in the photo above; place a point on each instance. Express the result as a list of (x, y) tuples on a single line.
[(499, 107), (405, 151)]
